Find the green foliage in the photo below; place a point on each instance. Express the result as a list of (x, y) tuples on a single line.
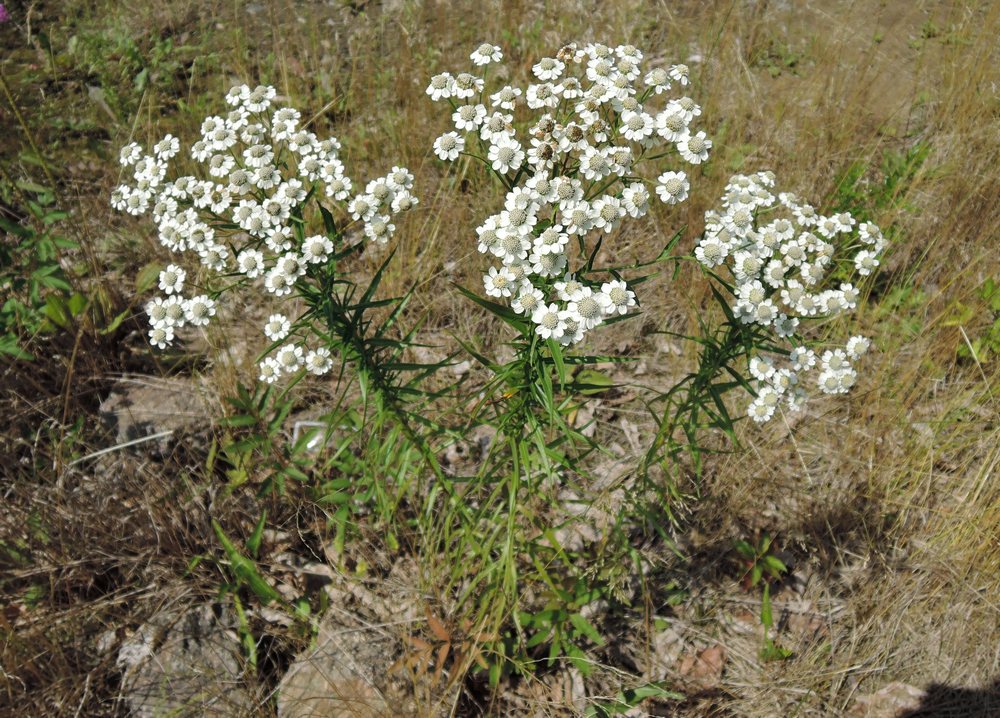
[(980, 325), (763, 565), (629, 698), (38, 294), (560, 625)]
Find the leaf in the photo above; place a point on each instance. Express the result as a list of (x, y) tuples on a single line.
[(244, 569), (583, 626), (147, 277), (592, 381), (253, 542)]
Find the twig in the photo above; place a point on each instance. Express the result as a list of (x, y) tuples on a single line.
[(142, 440)]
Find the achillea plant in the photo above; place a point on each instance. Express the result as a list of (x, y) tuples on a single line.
[(249, 219), (580, 152)]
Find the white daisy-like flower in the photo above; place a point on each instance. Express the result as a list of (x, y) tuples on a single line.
[(277, 327), (694, 148), (505, 155), (550, 321), (199, 310), (548, 69), (318, 361), (589, 309), (449, 146), (289, 358), (469, 117), (161, 336), (672, 187), (485, 54), (130, 154), (172, 279), (379, 229), (270, 370), (635, 199), (528, 300), (441, 87), (681, 73), (506, 97), (636, 126), (620, 297), (467, 86), (166, 148), (857, 346), (569, 289), (500, 282)]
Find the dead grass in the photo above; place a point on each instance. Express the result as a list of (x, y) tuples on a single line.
[(888, 502)]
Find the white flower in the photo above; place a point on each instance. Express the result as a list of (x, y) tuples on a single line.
[(694, 148), (172, 279), (277, 327), (636, 126), (379, 229), (316, 249), (506, 97), (500, 282), (608, 212), (680, 73), (166, 148), (449, 146), (289, 358), (318, 361), (865, 262), (505, 155), (589, 309), (485, 54), (548, 69), (635, 199), (198, 310), (363, 207), (441, 87), (269, 370), (620, 297), (467, 86), (550, 321), (802, 358), (469, 117), (130, 154), (527, 300), (857, 346), (672, 187), (161, 336)]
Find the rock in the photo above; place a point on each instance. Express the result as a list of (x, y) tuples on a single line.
[(184, 663), (894, 701), (140, 407), (341, 677)]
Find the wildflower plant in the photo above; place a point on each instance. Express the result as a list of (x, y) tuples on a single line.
[(600, 138), (272, 210), (589, 144)]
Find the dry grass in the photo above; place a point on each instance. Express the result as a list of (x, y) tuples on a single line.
[(888, 501)]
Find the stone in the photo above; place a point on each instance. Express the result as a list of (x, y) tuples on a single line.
[(895, 700), (341, 677), (143, 406), (184, 663)]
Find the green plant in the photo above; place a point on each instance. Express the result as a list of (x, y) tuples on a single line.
[(983, 343), (39, 296), (762, 565)]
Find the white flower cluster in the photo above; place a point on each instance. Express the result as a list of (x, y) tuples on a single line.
[(247, 218), (593, 123), (779, 251)]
